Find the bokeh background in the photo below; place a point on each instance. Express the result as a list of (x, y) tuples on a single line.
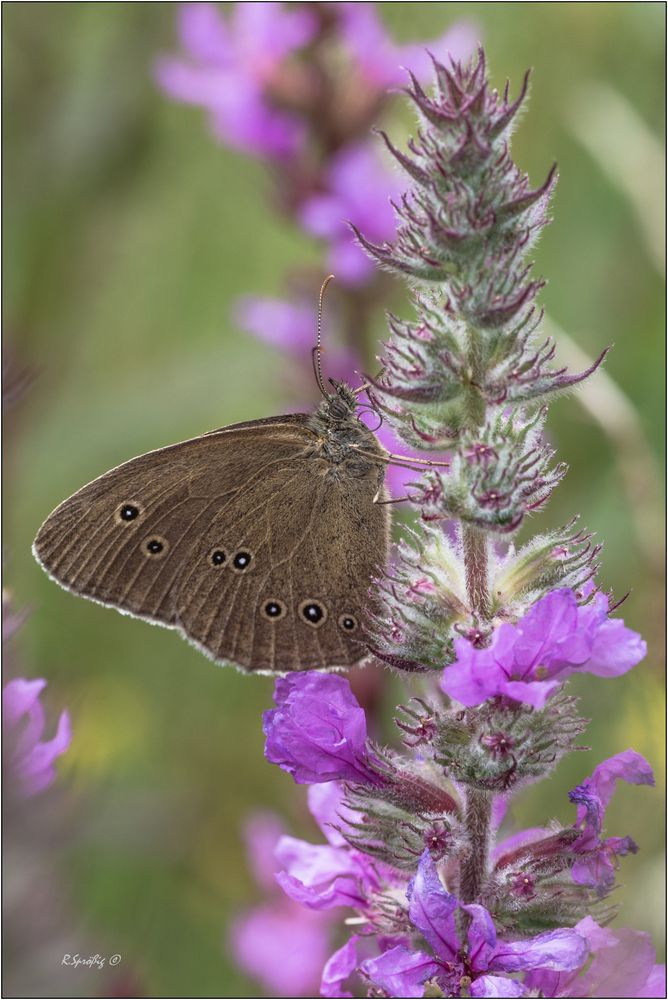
[(129, 235)]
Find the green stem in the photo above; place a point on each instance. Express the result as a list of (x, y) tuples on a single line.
[(478, 801), (475, 568), (475, 541), (474, 867)]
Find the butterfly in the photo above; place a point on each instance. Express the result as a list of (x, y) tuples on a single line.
[(258, 542)]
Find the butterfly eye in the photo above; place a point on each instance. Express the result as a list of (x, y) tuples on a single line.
[(242, 561), (127, 512), (218, 558), (313, 612), (348, 623), (156, 547), (274, 610)]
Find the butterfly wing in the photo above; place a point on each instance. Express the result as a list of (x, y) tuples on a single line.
[(88, 546), (307, 548), (166, 536)]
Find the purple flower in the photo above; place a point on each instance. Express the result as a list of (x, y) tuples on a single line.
[(596, 863), (11, 620), (527, 661), (597, 866), (282, 945), (381, 61), (31, 759), (228, 66), (358, 190), (339, 967), (279, 943), (317, 732), (432, 910), (622, 965), (324, 876), (289, 325)]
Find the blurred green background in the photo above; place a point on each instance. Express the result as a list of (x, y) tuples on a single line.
[(128, 235)]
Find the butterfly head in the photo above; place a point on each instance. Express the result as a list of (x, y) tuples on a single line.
[(341, 404)]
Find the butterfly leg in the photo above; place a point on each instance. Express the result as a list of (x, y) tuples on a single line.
[(378, 501)]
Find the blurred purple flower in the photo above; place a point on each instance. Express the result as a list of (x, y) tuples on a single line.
[(227, 66), (383, 62), (527, 661), (282, 945), (31, 759), (317, 732), (289, 325), (279, 943), (325, 876), (359, 187), (622, 965), (11, 620), (433, 911)]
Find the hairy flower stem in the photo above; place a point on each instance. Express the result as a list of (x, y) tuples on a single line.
[(475, 564), (475, 544), (474, 867), (475, 541)]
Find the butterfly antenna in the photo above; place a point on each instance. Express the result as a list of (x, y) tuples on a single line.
[(317, 350)]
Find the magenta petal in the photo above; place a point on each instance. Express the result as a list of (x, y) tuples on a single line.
[(432, 909), (342, 891), (325, 802), (499, 810), (18, 696), (400, 972), (338, 968), (556, 951), (350, 263), (322, 215), (543, 630), (534, 693), (36, 769), (203, 32), (192, 84), (616, 649), (628, 765), (287, 325), (474, 676), (655, 986), (283, 946), (314, 864), (481, 936), (262, 832), (496, 986), (317, 732), (622, 963), (265, 33)]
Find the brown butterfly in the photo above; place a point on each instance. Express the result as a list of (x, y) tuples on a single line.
[(258, 542)]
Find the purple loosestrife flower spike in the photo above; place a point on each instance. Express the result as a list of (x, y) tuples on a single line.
[(442, 908), (31, 758)]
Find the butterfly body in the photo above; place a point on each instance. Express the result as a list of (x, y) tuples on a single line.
[(258, 542)]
